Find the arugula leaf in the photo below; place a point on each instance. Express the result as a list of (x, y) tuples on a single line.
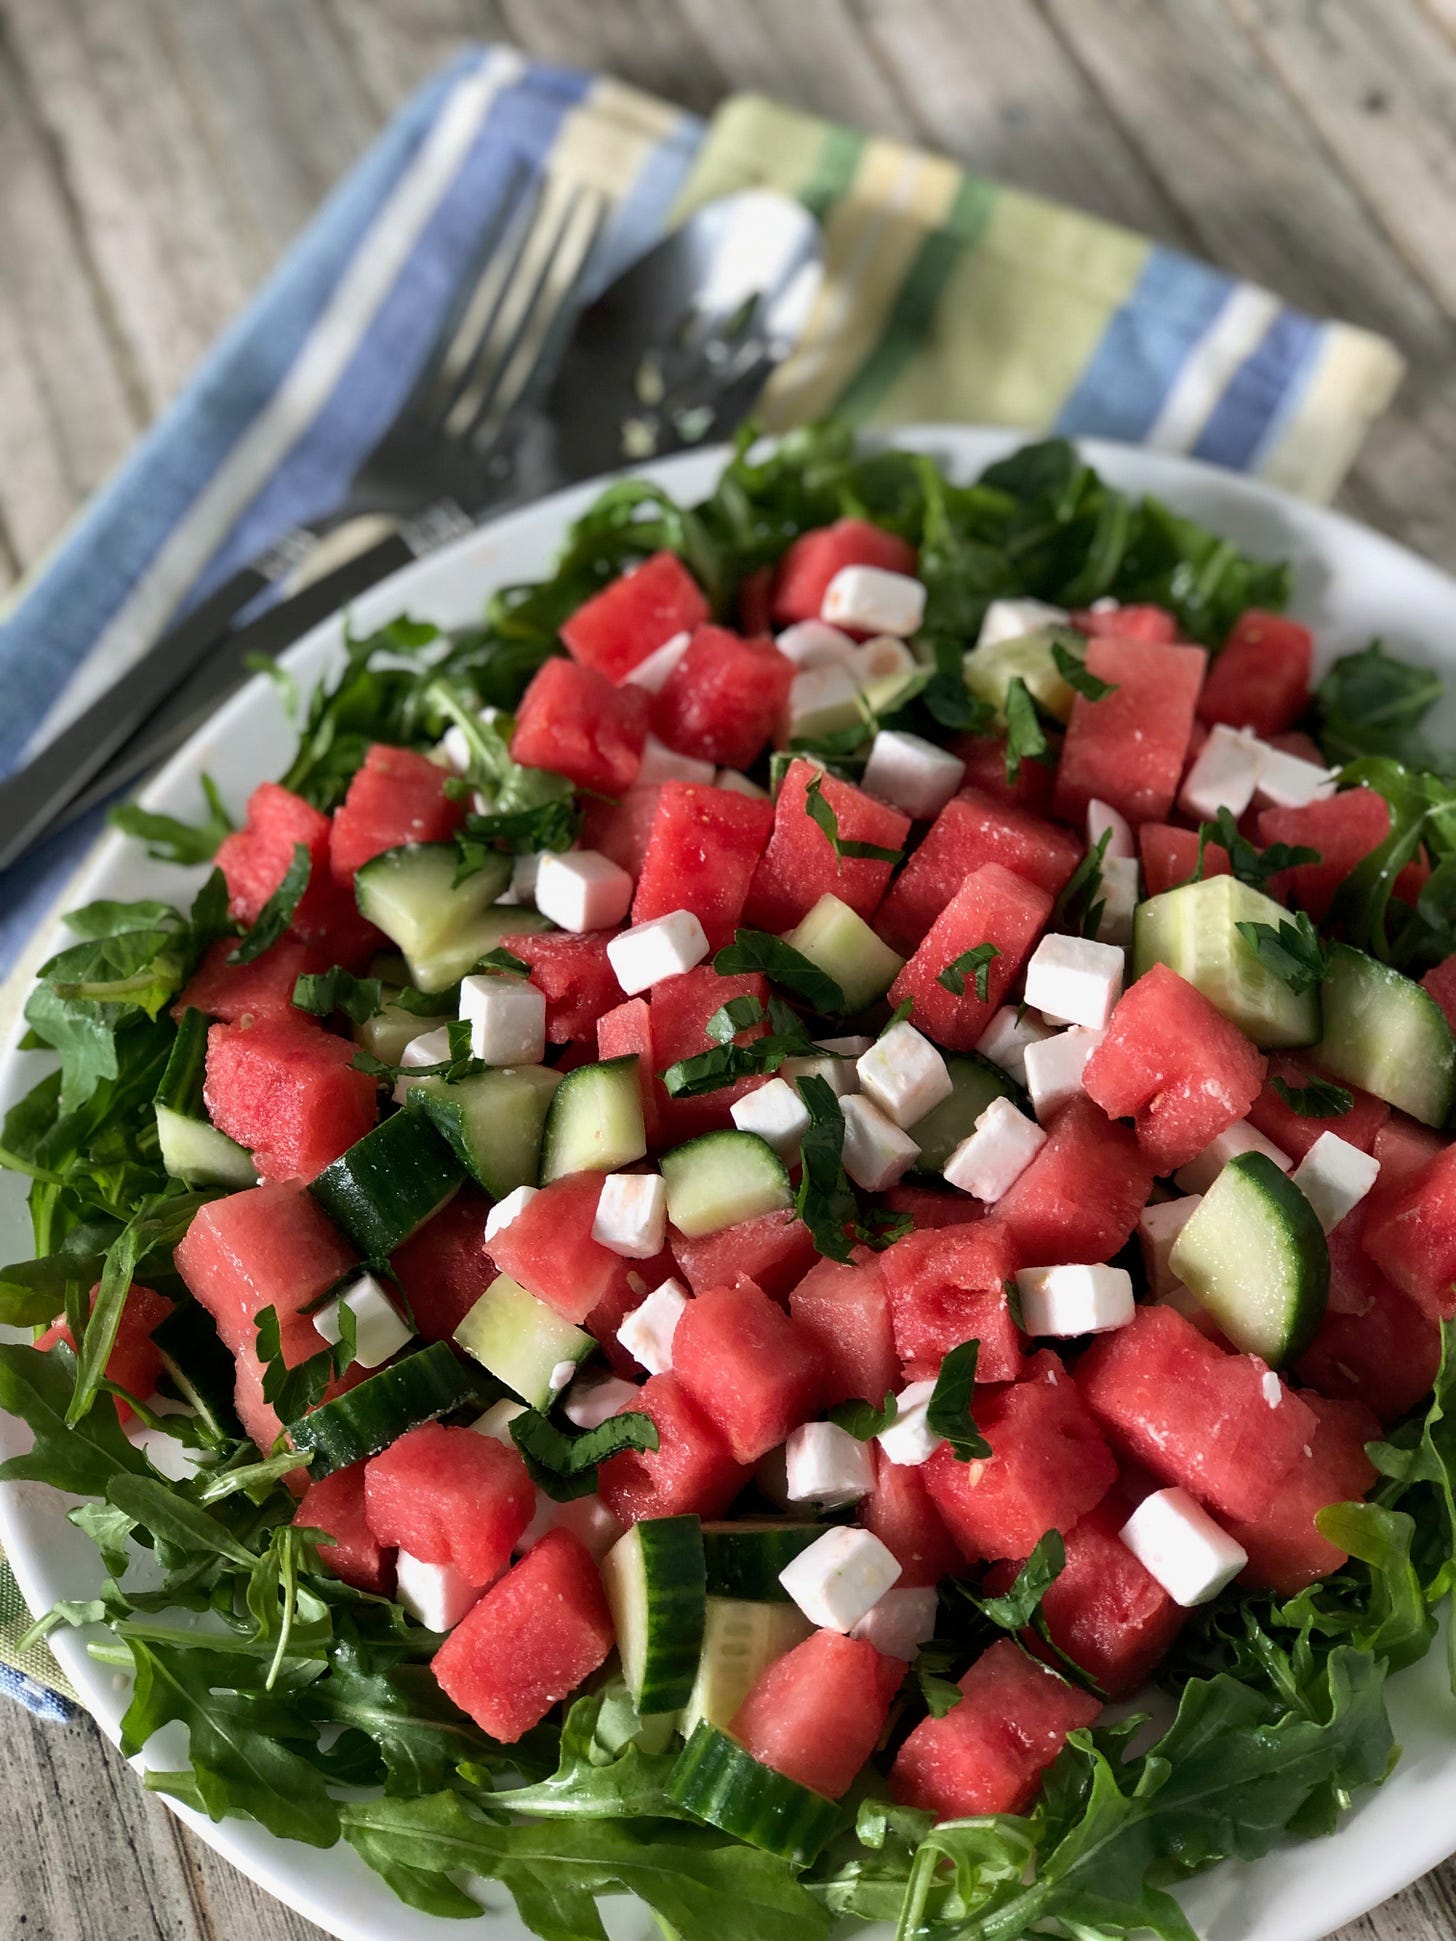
[(174, 1518), (111, 919), (1248, 864), (820, 812), (157, 1225), (1078, 908), (825, 1200), (1317, 1100), (93, 992), (757, 950), (565, 1467), (977, 960), (278, 912), (322, 993), (1292, 950), (1421, 809), (171, 841), (601, 1773), (1025, 737), (1013, 1610), (863, 1420), (421, 1736), (949, 1412), (1372, 703), (1075, 672), (83, 1457)]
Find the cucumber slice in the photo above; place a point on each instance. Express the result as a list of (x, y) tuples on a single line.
[(492, 1122), (1255, 1257), (1192, 930), (976, 1081), (722, 1178), (192, 1149), (594, 1124), (391, 1028), (410, 893), (366, 1419), (844, 947), (1388, 1036), (744, 1559), (455, 956), (741, 1639), (654, 1581), (717, 1781), (388, 1184), (990, 670), (521, 1341)]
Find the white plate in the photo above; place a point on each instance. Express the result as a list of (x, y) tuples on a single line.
[(1350, 585)]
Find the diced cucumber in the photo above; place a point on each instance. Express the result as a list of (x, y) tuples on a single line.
[(722, 1178), (654, 1581), (388, 1184), (192, 1149), (594, 1124), (410, 893), (1388, 1036), (976, 1082), (386, 1034), (366, 1419), (990, 670), (717, 1781), (1193, 930), (743, 1559), (492, 1121), (844, 947), (521, 1340), (741, 1639), (1255, 1257)]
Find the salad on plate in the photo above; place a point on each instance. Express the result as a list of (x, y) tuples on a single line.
[(780, 1233)]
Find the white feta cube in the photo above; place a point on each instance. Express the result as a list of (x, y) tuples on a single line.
[(663, 764), (840, 1577), (882, 659), (1200, 1173), (1073, 1300), (1334, 1177), (662, 947), (1006, 1037), (1178, 1543), (435, 1595), (587, 1518), (656, 669), (524, 871), (839, 1074), (813, 643), (776, 1113), (497, 1420), (454, 749), (826, 1464), (1223, 776), (510, 1208), (1013, 619), (990, 1160), (872, 600), (912, 774), (1075, 979), (738, 783), (822, 700), (429, 1048), (1118, 895), (902, 1621), (647, 1332), (1158, 1228), (909, 1440), (507, 1019), (876, 1152), (903, 1074), (1054, 1069), (379, 1330), (631, 1215), (582, 890), (1104, 820), (563, 1374), (1289, 781), (592, 1403)]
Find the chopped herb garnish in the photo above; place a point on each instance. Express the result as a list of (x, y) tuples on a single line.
[(777, 960), (821, 812), (1291, 949), (862, 1419), (565, 1467), (976, 963), (1317, 1100), (949, 1413), (322, 993), (278, 912), (1250, 865), (1025, 737), (1079, 908), (1078, 676)]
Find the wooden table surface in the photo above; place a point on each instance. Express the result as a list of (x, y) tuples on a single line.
[(157, 155)]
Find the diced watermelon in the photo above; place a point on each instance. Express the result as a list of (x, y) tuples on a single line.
[(1295, 1132), (255, 859), (703, 849), (248, 993), (444, 1268), (987, 1754), (680, 1008), (1286, 1550), (985, 760), (991, 906), (573, 721), (1175, 1066), (900, 1512), (972, 829), (1412, 1239), (724, 699), (626, 1032), (1170, 856), (622, 829), (270, 1246), (928, 1206), (1384, 1353), (627, 1292), (747, 1366), (335, 1505), (842, 1307), (549, 1249), (1260, 679), (818, 1712), (135, 1361), (1193, 1413), (1080, 1198), (502, 1666), (772, 1250), (1343, 828), (692, 1472), (799, 865), (575, 973), (1404, 1148), (396, 797), (755, 597), (1441, 983), (815, 557), (450, 1496), (1048, 1466), (634, 616), (1154, 624), (259, 1417), (1127, 749), (947, 1286), (288, 1091)]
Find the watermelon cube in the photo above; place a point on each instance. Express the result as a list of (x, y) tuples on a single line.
[(973, 828), (991, 906), (255, 859), (634, 616), (270, 1246), (818, 1712), (815, 557), (1148, 623), (747, 1366), (842, 1307), (396, 797), (573, 721), (502, 1666), (692, 1471), (927, 1206), (1384, 1353), (349, 1549), (1048, 1466), (947, 1286), (135, 1361), (450, 1496), (1295, 1132), (1128, 748), (626, 1032), (900, 1512), (1441, 983), (1412, 1238), (621, 830), (288, 1091), (1405, 1148), (1260, 678), (724, 699), (771, 1250), (1175, 1066), (701, 854), (988, 1753), (1170, 856), (248, 993), (754, 603), (799, 865), (680, 1008), (1080, 1198), (444, 1267), (574, 971), (628, 1291), (1286, 1550), (549, 1249), (1342, 829), (1193, 1413), (985, 760)]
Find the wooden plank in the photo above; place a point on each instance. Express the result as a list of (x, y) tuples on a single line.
[(816, 57), (395, 45)]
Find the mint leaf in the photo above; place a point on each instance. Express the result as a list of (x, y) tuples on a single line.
[(821, 812), (825, 1201), (1079, 906), (564, 1466), (949, 1413), (500, 959), (277, 913), (976, 961), (171, 841), (862, 1419), (1025, 737), (1317, 1100), (1250, 865), (738, 1014), (1077, 675), (1013, 1610), (758, 951), (322, 993), (1291, 949)]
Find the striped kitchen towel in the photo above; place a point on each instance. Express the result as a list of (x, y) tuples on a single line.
[(947, 296)]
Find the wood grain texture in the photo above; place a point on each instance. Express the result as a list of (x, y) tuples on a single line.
[(158, 155)]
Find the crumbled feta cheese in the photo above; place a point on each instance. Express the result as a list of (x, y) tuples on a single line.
[(1118, 895), (507, 1019), (776, 1113), (1290, 782), (1271, 1388), (1200, 1173), (912, 774), (1006, 1037), (813, 643), (904, 1075), (822, 700), (840, 1577), (562, 1375), (902, 1621), (1223, 776), (662, 947), (1054, 1068), (738, 783), (631, 1215), (909, 1440), (871, 600), (1073, 1300), (654, 672), (591, 1403), (582, 890), (826, 1464), (839, 1074), (991, 1159), (497, 1420), (876, 1152), (587, 1518), (647, 1332), (1104, 820), (1075, 979), (1334, 1177), (379, 1330), (1159, 1226), (1014, 619), (1180, 1545), (663, 764), (435, 1595), (429, 1048), (510, 1208)]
